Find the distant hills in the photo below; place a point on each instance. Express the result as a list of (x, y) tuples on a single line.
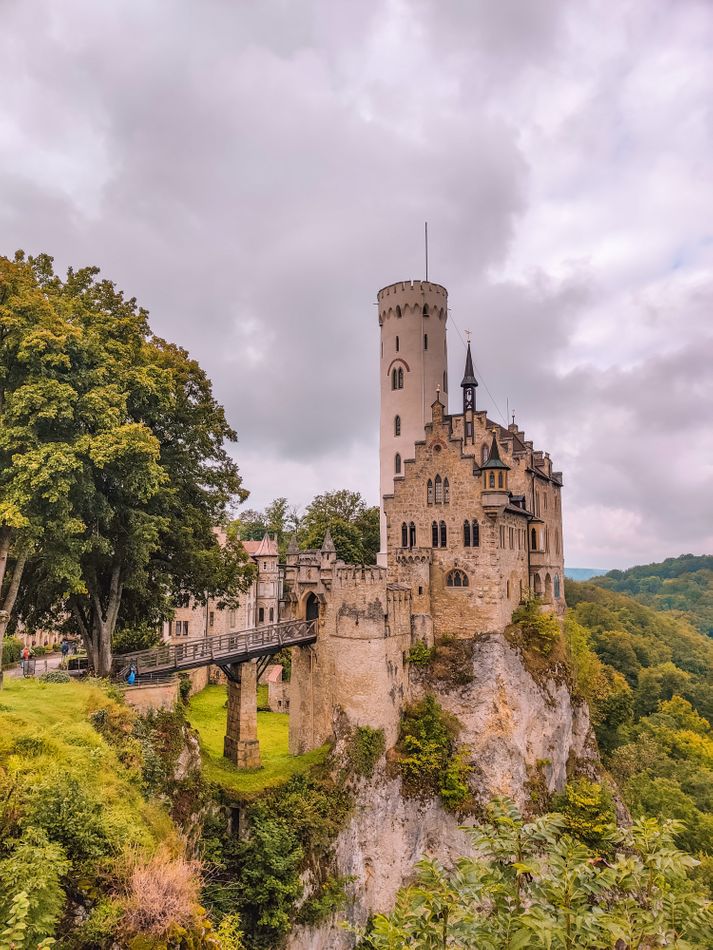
[(583, 573), (680, 584)]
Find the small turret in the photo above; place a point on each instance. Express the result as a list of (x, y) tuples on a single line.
[(495, 478), (328, 552)]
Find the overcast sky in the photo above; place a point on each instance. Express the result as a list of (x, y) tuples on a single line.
[(255, 171)]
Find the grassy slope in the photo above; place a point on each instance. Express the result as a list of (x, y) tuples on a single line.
[(57, 714), (207, 714)]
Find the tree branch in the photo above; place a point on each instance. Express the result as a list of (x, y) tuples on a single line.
[(4, 553)]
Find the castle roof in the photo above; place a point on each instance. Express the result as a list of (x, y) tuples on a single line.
[(494, 460), (265, 548), (469, 374), (328, 544)]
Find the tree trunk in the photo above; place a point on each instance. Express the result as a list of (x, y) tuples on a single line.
[(8, 603), (98, 632)]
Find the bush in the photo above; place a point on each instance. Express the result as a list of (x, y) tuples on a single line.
[(589, 813), (420, 654), (69, 815), (330, 898), (131, 639), (11, 650), (428, 759), (99, 931), (365, 749), (540, 631), (184, 688), (161, 894), (34, 867), (55, 676), (41, 651)]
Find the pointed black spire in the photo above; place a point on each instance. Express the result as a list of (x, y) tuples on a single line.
[(469, 382), (494, 460)]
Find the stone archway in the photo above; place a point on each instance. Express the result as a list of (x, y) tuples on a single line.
[(537, 585), (548, 589), (311, 607)]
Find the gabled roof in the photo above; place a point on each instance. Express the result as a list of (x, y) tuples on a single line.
[(265, 548)]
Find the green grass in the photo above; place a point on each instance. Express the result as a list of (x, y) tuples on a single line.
[(207, 713), (57, 714)]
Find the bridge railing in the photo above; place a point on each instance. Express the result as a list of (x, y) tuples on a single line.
[(228, 647)]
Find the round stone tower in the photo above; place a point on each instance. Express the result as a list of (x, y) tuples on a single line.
[(413, 366)]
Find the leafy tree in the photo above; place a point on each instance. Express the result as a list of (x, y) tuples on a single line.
[(532, 885), (353, 525), (151, 477)]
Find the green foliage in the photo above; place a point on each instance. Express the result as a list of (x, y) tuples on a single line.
[(533, 885), (589, 813), (353, 525), (34, 866), (420, 654), (184, 688), (428, 758), (259, 875), (55, 676), (229, 933), (365, 749), (330, 897), (682, 584), (140, 636), (540, 631), (11, 650), (99, 931)]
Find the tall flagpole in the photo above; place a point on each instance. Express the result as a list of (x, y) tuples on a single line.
[(425, 235)]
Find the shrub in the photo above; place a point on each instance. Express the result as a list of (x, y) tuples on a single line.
[(420, 654), (229, 934), (99, 931), (69, 815), (55, 676), (34, 867), (329, 898), (540, 631), (41, 651), (365, 749), (184, 688), (428, 760), (589, 813), (139, 637), (11, 650), (161, 894)]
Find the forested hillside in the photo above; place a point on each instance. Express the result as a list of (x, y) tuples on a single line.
[(682, 584), (649, 679)]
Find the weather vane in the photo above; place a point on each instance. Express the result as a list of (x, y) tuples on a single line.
[(467, 335)]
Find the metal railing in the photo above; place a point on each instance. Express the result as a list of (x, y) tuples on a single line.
[(222, 650)]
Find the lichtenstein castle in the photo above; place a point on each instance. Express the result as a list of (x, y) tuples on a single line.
[(471, 524)]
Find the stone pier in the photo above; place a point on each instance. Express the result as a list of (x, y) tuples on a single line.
[(241, 744)]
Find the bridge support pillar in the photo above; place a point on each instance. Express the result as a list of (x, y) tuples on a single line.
[(241, 744)]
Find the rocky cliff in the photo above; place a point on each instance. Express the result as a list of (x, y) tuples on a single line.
[(520, 732)]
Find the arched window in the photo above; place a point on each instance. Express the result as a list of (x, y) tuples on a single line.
[(398, 311), (484, 455), (444, 534), (425, 310), (429, 492), (425, 341), (412, 535), (404, 535), (557, 587), (491, 480), (272, 614), (400, 383), (397, 425), (397, 344), (466, 534), (261, 615), (534, 539), (500, 479), (445, 381), (439, 490), (456, 579), (434, 534), (394, 378), (476, 534), (446, 491), (397, 464)]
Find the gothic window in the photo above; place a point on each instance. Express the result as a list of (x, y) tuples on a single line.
[(272, 614), (412, 535), (500, 479), (425, 310), (398, 311), (397, 344), (434, 534), (404, 535), (456, 579), (397, 425), (483, 454), (557, 587), (394, 378), (446, 492), (439, 490), (475, 535), (429, 492), (397, 464), (466, 534), (491, 480), (400, 383), (425, 341), (444, 534), (534, 539), (261, 615)]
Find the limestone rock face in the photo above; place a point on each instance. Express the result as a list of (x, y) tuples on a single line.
[(511, 726)]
